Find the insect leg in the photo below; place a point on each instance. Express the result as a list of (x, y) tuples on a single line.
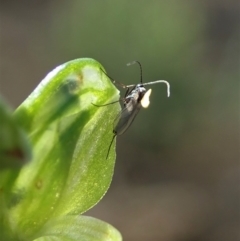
[(127, 92), (114, 102), (113, 80), (110, 145)]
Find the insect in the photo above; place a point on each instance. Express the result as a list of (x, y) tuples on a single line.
[(135, 98)]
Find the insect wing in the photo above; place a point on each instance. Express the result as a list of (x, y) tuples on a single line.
[(125, 118)]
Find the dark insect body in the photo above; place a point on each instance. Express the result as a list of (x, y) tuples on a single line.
[(135, 98)]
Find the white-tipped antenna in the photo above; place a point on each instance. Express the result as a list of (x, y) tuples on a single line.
[(155, 82)]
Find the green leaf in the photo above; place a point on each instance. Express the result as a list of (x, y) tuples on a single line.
[(14, 153), (14, 148), (78, 228), (69, 172)]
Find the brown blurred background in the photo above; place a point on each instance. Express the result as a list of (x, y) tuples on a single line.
[(177, 173)]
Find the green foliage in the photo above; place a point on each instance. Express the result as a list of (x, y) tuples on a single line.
[(73, 227), (14, 147), (68, 172)]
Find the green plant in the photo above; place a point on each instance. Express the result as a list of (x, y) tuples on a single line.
[(53, 163)]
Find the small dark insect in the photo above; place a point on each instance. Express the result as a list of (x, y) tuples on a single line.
[(134, 99)]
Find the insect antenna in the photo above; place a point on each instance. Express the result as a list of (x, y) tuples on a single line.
[(155, 82), (137, 62)]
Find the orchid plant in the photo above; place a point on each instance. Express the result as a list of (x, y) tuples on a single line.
[(53, 164)]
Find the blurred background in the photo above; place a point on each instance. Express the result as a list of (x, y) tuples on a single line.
[(177, 172)]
